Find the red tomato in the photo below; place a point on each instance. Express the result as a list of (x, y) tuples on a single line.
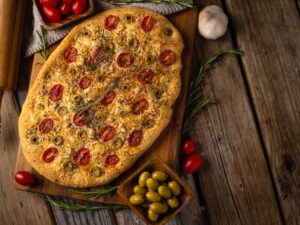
[(147, 23), (108, 98), (124, 59), (49, 2), (167, 57), (192, 163), (24, 178), (85, 82), (56, 92), (70, 54), (135, 138), (52, 13), (111, 22), (68, 1), (189, 147), (82, 156), (111, 160), (107, 133), (82, 118), (46, 126), (139, 106), (65, 8), (79, 6), (145, 76), (50, 154)]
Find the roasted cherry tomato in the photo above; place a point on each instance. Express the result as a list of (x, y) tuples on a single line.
[(85, 82), (111, 22), (68, 1), (135, 138), (124, 60), (79, 6), (167, 57), (145, 76), (189, 147), (46, 126), (65, 8), (111, 160), (82, 156), (82, 118), (50, 154), (56, 92), (108, 98), (49, 2), (139, 106), (192, 163), (24, 178), (52, 13), (107, 133), (96, 56), (147, 23), (70, 54)]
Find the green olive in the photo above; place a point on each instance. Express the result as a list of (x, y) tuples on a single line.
[(48, 75), (124, 113), (96, 171), (40, 106), (157, 93), (173, 202), (34, 139), (175, 188), (153, 216), (82, 134), (129, 18), (78, 99), (159, 175), (164, 191), (109, 47), (153, 196), (118, 142), (101, 78), (58, 140), (150, 59), (69, 166), (158, 207), (148, 123), (139, 190), (62, 110), (133, 43), (168, 31), (125, 86), (152, 183), (136, 199), (143, 177)]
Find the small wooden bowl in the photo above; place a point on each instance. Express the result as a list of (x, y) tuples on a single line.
[(68, 19), (126, 190)]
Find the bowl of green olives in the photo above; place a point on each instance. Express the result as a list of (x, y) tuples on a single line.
[(155, 192)]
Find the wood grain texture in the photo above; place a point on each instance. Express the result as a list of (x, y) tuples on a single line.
[(16, 207), (269, 33), (235, 181)]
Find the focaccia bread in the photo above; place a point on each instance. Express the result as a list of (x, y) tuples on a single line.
[(102, 98)]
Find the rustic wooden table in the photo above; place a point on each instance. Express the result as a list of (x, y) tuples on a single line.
[(250, 138)]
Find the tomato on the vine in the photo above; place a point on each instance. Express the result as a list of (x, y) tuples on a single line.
[(65, 8), (52, 13), (24, 178), (192, 163), (79, 6), (49, 2), (189, 147)]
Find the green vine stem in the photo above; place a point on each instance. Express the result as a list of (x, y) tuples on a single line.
[(43, 43)]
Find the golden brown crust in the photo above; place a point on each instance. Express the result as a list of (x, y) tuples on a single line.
[(128, 155)]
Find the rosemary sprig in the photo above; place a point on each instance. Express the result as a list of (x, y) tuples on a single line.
[(93, 193), (79, 207), (43, 44), (186, 3)]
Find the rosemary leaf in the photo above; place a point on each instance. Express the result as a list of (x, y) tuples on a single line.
[(96, 192), (80, 207), (186, 3), (43, 43)]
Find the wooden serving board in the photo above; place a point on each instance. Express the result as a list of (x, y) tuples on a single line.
[(165, 148)]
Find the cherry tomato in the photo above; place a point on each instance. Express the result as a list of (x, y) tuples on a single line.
[(139, 106), (56, 92), (68, 1), (135, 138), (124, 60), (147, 23), (65, 8), (108, 98), (145, 76), (82, 156), (85, 82), (70, 54), (50, 154), (49, 2), (167, 57), (24, 178), (46, 126), (52, 13), (111, 22), (189, 147), (192, 163), (111, 160), (82, 118), (79, 6), (107, 133)]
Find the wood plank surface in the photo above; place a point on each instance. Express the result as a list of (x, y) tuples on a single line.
[(269, 33)]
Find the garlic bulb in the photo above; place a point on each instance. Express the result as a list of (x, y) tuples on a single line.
[(212, 22)]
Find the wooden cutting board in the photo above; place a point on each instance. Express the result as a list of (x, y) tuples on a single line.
[(165, 148)]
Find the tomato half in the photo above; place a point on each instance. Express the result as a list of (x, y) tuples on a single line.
[(70, 54), (82, 156), (147, 23), (52, 13), (111, 22), (167, 57), (189, 147), (111, 160), (24, 178), (124, 60), (56, 92), (79, 6), (50, 154), (108, 98), (107, 133), (82, 118), (85, 82), (135, 138), (192, 163), (46, 126), (145, 76), (140, 106)]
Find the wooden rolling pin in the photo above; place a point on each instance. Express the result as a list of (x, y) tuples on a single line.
[(11, 24)]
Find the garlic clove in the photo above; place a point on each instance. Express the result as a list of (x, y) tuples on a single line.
[(212, 22)]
